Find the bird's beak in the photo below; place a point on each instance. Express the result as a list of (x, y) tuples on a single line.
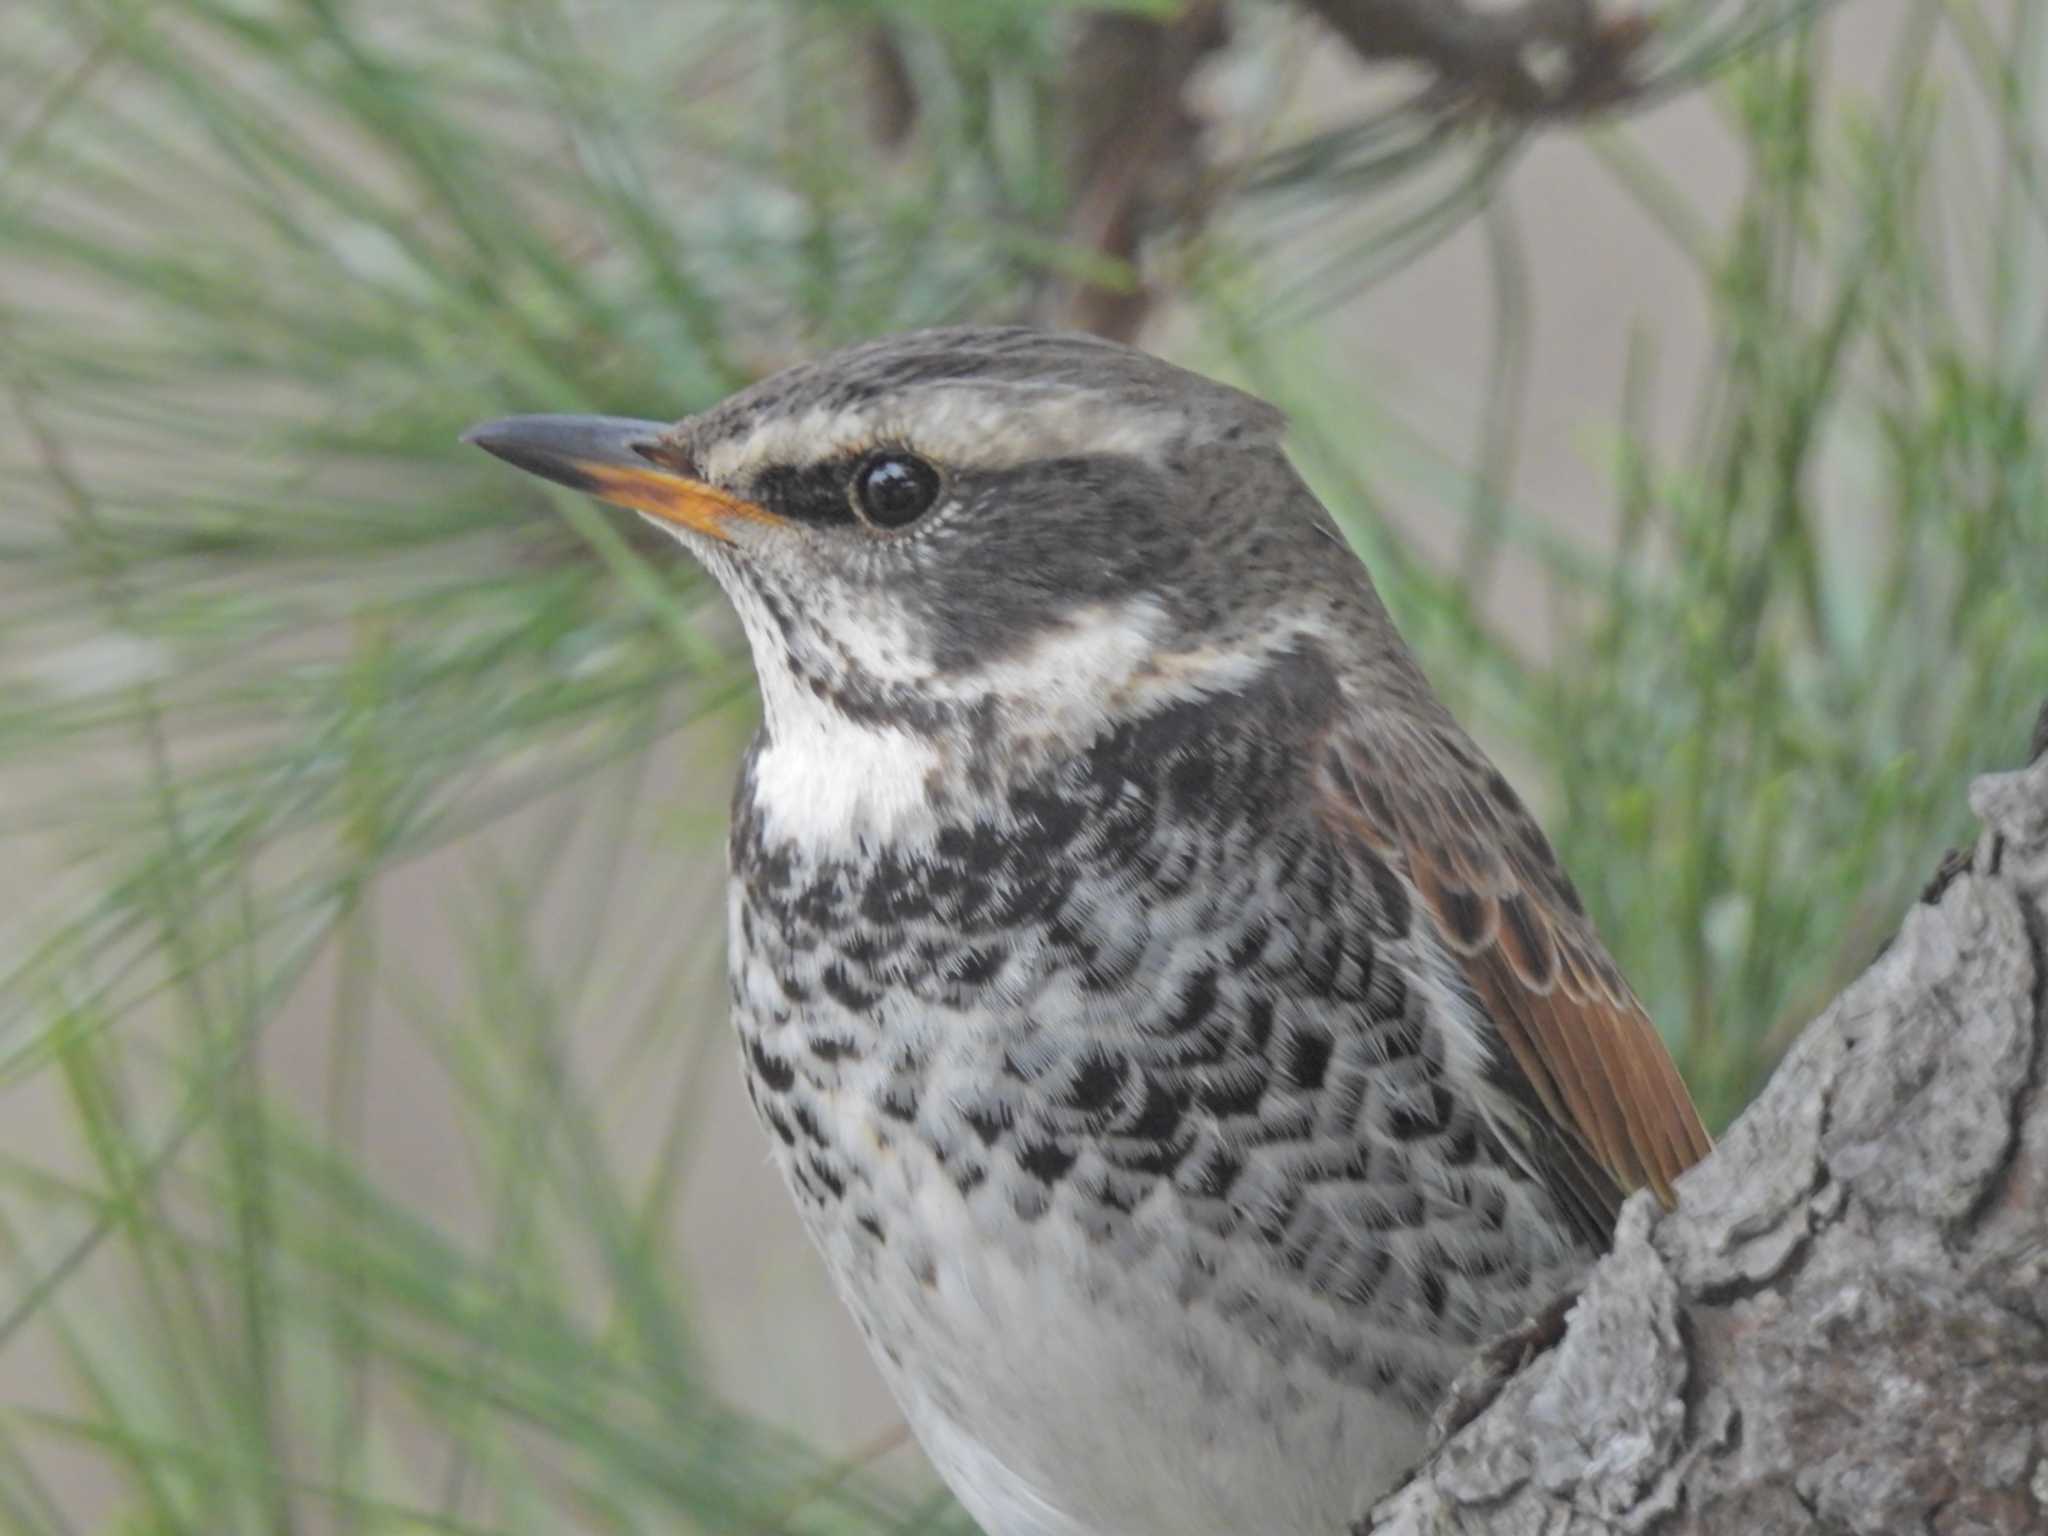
[(619, 460)]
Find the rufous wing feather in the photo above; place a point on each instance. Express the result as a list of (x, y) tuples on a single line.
[(1585, 1050)]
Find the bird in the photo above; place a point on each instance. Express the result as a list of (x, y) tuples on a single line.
[(1183, 1046)]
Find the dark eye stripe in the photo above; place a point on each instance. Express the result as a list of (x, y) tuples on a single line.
[(808, 493)]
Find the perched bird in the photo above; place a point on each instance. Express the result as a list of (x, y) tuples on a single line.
[(1183, 1045)]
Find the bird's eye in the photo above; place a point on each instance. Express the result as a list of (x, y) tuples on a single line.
[(894, 489)]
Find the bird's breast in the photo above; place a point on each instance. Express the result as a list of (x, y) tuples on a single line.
[(1084, 1343), (1118, 1098)]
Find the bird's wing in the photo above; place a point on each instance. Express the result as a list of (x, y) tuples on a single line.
[(1433, 808)]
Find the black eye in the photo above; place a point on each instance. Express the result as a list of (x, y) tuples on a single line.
[(894, 489)]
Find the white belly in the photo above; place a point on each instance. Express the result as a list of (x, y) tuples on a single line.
[(1063, 1389)]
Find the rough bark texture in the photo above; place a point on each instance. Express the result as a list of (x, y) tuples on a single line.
[(1844, 1325)]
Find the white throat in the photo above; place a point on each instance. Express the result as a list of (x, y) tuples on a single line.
[(836, 784)]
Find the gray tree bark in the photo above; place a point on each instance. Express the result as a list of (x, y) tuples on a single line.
[(1843, 1327)]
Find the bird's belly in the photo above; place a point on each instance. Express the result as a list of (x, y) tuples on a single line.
[(1064, 1387)]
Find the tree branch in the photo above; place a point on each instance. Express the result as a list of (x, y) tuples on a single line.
[(1540, 58), (1134, 144), (1133, 151), (1844, 1325)]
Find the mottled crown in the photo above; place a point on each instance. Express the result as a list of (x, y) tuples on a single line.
[(984, 395)]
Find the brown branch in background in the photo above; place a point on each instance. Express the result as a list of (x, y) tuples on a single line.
[(891, 99), (1134, 145), (1542, 58), (1133, 151)]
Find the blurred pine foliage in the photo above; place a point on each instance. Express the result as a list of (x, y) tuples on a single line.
[(268, 642)]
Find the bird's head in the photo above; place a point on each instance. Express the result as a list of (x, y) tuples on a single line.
[(1001, 529)]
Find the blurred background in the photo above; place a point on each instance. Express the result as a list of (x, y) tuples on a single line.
[(371, 1151)]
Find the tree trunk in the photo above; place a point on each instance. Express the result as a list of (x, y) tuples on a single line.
[(1844, 1325)]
